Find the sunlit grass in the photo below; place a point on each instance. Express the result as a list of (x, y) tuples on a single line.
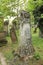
[(37, 43)]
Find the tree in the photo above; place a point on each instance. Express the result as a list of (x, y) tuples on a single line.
[(8, 7)]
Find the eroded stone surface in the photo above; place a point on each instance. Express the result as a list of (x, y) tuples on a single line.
[(25, 48)]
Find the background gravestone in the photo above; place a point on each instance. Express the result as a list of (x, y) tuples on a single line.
[(6, 26), (13, 33), (2, 32), (40, 25)]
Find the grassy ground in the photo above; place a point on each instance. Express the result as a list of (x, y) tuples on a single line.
[(9, 47), (37, 43)]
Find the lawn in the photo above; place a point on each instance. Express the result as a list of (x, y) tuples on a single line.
[(37, 43), (9, 47)]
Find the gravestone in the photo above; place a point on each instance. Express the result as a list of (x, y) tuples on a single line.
[(40, 25), (26, 47), (2, 32), (2, 37), (13, 34), (6, 26)]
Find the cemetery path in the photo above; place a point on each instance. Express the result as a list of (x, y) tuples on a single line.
[(2, 59)]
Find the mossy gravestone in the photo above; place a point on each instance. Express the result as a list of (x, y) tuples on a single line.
[(13, 33), (25, 49)]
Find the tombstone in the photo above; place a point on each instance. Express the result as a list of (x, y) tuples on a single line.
[(40, 25), (2, 32), (26, 47), (3, 37), (6, 26), (13, 34)]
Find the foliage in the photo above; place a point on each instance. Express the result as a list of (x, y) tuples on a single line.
[(13, 7), (8, 7), (36, 56), (32, 4), (5, 7)]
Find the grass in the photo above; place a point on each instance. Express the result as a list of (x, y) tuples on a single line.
[(36, 41), (8, 48)]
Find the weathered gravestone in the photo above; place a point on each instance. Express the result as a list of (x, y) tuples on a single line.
[(3, 37), (6, 26), (13, 33), (2, 32), (25, 46), (40, 25)]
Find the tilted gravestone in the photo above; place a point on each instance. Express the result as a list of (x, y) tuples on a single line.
[(13, 33), (26, 47)]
